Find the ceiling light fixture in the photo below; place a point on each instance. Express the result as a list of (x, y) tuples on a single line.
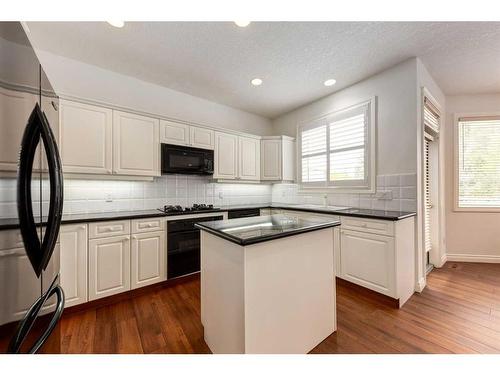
[(256, 82), (242, 23), (330, 82), (116, 23)]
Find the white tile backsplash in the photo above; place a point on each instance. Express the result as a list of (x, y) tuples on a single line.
[(402, 187), (87, 196)]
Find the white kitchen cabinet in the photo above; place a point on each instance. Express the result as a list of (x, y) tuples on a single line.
[(136, 145), (74, 261), (277, 158), (249, 158), (147, 259), (201, 137), (175, 133), (226, 156), (85, 138), (109, 266), (367, 259), (379, 255), (16, 108)]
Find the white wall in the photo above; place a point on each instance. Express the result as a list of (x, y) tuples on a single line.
[(395, 89), (77, 79), (471, 236)]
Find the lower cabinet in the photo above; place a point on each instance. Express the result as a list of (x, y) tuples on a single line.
[(368, 259), (147, 259), (74, 260), (109, 266)]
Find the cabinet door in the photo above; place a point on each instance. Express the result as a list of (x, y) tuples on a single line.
[(15, 109), (109, 266), (136, 145), (148, 259), (271, 159), (85, 138), (201, 137), (74, 254), (368, 260), (249, 158), (174, 133), (226, 156)]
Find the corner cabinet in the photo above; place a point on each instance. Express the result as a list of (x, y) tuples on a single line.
[(277, 158), (136, 145), (85, 138), (74, 263), (226, 156)]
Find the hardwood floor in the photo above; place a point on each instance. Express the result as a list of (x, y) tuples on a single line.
[(458, 312)]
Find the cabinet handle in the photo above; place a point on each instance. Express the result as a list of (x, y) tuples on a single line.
[(81, 227), (134, 237)]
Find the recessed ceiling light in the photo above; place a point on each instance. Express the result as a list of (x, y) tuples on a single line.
[(330, 82), (256, 82), (242, 23), (116, 23)]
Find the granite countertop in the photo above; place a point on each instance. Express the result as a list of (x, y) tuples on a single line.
[(13, 223), (252, 230)]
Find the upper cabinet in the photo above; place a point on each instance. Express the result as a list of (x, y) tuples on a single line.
[(236, 157), (85, 138), (226, 156), (136, 146), (249, 158), (186, 135), (277, 158)]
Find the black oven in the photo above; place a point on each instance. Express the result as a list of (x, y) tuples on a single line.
[(183, 246), (186, 160)]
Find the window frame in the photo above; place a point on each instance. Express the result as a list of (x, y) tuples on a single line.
[(456, 174), (370, 153)]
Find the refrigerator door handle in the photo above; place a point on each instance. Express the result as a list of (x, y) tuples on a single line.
[(32, 314), (39, 253)]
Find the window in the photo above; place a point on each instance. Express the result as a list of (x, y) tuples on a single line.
[(478, 177), (336, 151)]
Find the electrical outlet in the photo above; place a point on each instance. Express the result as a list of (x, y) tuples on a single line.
[(109, 197), (221, 196), (385, 195)]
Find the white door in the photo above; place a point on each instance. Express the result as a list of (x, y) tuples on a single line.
[(136, 146), (16, 108), (85, 138), (109, 266), (201, 137), (368, 260), (74, 257), (174, 133), (226, 156), (148, 259), (249, 158), (271, 159)]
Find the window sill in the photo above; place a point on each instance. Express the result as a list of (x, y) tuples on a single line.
[(477, 209), (342, 190)]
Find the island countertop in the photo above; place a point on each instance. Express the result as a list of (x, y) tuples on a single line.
[(251, 230)]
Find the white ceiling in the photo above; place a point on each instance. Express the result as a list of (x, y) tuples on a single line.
[(217, 60)]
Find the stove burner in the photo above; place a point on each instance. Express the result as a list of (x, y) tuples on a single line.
[(194, 207)]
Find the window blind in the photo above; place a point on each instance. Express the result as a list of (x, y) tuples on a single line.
[(479, 162), (431, 116), (333, 150), (427, 197)]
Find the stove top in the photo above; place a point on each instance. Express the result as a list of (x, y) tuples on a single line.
[(194, 208)]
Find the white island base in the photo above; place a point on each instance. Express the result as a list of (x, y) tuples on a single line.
[(276, 296)]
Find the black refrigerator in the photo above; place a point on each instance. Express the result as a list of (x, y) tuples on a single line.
[(31, 200)]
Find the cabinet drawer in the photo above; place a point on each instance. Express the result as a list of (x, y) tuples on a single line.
[(147, 225), (368, 225), (109, 228)]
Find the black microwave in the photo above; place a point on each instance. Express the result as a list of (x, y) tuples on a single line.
[(186, 160)]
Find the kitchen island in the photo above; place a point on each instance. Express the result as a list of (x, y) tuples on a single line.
[(267, 283)]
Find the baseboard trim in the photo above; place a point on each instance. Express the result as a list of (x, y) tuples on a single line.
[(473, 258), (444, 259), (419, 287)]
